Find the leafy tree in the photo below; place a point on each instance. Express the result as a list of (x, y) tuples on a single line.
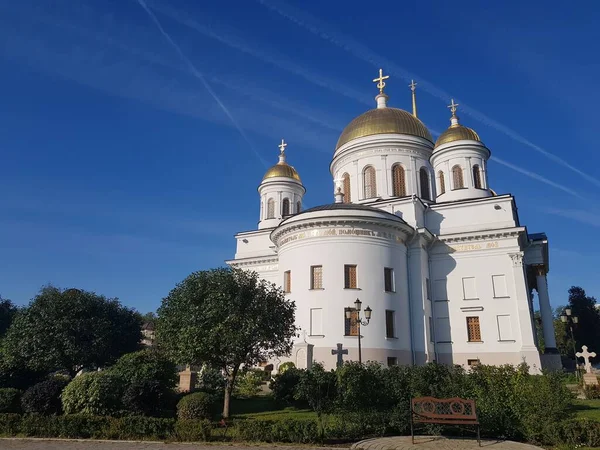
[(7, 313), (69, 330), (249, 383), (226, 318), (318, 388), (285, 384), (44, 397), (587, 330)]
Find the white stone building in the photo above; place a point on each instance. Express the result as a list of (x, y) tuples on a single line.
[(417, 235)]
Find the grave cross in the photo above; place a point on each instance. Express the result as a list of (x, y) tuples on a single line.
[(586, 357), (340, 352)]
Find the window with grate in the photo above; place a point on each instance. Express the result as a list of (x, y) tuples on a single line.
[(473, 330), (370, 184), (388, 279), (424, 180), (398, 181), (442, 182), (350, 277), (287, 281), (285, 207), (346, 187), (271, 209), (477, 177), (473, 362), (350, 325), (392, 361), (389, 324), (316, 277), (457, 177)]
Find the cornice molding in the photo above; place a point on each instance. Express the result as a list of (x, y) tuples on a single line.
[(248, 262), (482, 235)]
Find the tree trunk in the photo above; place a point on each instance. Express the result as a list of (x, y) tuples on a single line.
[(228, 390)]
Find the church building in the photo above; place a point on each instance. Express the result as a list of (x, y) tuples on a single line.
[(416, 260)]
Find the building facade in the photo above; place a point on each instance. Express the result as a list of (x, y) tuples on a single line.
[(416, 234)]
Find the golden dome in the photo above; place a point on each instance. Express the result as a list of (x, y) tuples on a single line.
[(382, 121), (282, 169), (457, 132)]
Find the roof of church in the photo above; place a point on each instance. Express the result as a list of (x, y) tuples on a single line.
[(348, 207)]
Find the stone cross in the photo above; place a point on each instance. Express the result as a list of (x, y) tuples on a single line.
[(586, 357), (340, 352)]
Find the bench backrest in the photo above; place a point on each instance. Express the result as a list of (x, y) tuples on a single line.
[(432, 408)]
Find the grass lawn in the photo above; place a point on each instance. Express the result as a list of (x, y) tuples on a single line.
[(264, 407), (589, 409)]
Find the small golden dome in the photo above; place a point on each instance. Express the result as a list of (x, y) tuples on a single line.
[(282, 169), (382, 121), (457, 133)]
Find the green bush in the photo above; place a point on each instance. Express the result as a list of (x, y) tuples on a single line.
[(248, 383), (362, 387), (284, 386), (148, 398), (44, 397), (577, 433), (10, 424), (287, 430), (211, 380), (140, 428), (286, 366), (591, 392), (146, 366), (10, 400), (96, 393), (199, 405), (193, 430)]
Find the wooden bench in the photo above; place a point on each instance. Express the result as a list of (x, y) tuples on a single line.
[(443, 411)]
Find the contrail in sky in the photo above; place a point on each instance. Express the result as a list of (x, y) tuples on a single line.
[(363, 52), (199, 75), (537, 177)]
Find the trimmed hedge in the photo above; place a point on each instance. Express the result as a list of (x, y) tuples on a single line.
[(44, 397), (196, 406), (10, 400)]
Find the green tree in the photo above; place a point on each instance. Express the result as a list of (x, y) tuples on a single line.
[(226, 318), (146, 365), (7, 314), (69, 330), (587, 330)]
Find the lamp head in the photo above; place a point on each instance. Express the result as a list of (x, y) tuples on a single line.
[(348, 313), (575, 319), (357, 304), (563, 318), (568, 311), (368, 312)]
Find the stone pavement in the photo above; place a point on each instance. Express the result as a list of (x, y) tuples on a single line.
[(437, 443)]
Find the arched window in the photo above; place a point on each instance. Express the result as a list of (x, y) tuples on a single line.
[(398, 181), (346, 188), (285, 207), (271, 209), (370, 184), (424, 179), (457, 177), (442, 182), (477, 177), (298, 207)]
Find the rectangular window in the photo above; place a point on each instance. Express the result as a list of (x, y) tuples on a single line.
[(350, 325), (316, 322), (428, 288), (316, 277), (469, 288), (499, 284), (442, 329), (431, 337), (472, 362), (287, 281), (473, 330), (388, 279), (389, 324), (392, 361), (505, 332), (350, 276)]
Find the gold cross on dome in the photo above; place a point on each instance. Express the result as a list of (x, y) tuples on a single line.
[(282, 146), (453, 107), (379, 81), (412, 85)]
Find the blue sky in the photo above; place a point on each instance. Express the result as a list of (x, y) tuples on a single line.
[(129, 160)]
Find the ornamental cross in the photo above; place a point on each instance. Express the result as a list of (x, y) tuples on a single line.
[(453, 107), (412, 85), (379, 81), (586, 357), (282, 146), (340, 352)]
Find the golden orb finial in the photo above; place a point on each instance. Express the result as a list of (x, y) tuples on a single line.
[(380, 82), (454, 119)]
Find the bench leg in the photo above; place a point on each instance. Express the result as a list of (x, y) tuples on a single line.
[(412, 430), (478, 436)]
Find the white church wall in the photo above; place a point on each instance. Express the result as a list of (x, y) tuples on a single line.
[(254, 244)]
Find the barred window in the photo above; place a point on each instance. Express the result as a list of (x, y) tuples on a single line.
[(350, 276), (285, 207), (370, 183), (398, 181), (346, 187), (287, 281), (473, 330), (316, 277), (350, 325), (389, 324), (457, 177), (392, 361), (271, 209), (477, 177), (388, 279), (442, 182), (424, 178)]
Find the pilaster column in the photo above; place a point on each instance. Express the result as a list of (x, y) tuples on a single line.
[(415, 177), (522, 298), (545, 309), (386, 179)]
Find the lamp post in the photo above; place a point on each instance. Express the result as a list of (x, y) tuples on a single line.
[(568, 318), (359, 322)]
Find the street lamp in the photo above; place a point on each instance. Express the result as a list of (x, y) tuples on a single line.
[(568, 317), (359, 322)]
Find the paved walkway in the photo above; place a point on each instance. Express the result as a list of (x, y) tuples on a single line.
[(437, 443)]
